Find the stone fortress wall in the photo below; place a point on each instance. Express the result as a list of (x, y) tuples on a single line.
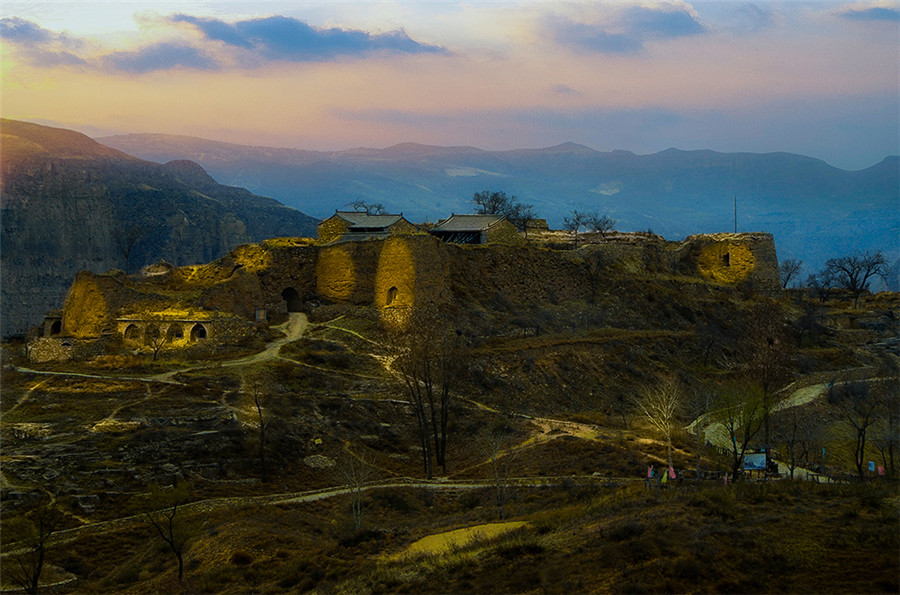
[(257, 283)]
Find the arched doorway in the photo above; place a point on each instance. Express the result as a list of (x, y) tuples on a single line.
[(175, 332), (198, 332), (391, 296), (132, 332), (56, 327), (292, 298)]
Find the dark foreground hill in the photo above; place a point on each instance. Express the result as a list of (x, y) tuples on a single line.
[(814, 210), (71, 204)]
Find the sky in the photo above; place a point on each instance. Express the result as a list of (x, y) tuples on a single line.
[(814, 78)]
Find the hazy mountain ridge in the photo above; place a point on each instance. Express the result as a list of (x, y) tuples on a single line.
[(816, 211), (69, 203)]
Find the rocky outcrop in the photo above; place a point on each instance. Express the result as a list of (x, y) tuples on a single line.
[(71, 204)]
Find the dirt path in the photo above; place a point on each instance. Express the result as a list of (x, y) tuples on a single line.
[(808, 394), (202, 506), (294, 328), (26, 395)]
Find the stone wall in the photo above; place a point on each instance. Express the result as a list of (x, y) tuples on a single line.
[(742, 259), (397, 273), (504, 232), (331, 229), (346, 272)]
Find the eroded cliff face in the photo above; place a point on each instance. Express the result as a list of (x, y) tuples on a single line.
[(69, 204)]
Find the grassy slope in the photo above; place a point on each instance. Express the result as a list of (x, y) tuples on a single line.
[(333, 387)]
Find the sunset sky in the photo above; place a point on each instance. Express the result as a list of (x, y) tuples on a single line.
[(816, 78)]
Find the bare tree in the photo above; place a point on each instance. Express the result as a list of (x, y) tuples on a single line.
[(499, 203), (369, 208), (125, 239), (767, 352), (854, 272), (258, 386), (662, 405), (163, 516), (30, 537), (699, 405), (155, 339), (855, 405), (428, 359), (820, 285), (355, 472), (739, 408), (574, 223), (789, 269), (600, 223), (498, 448), (886, 436), (798, 433)]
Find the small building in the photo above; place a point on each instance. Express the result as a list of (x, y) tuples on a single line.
[(477, 229), (356, 226)]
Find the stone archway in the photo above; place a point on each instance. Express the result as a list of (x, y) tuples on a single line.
[(132, 332), (198, 332), (175, 332), (56, 327), (292, 299), (391, 296)]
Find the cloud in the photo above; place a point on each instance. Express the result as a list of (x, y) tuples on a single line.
[(875, 13), (287, 39), (38, 45), (627, 33), (160, 56), (751, 18), (565, 90), (23, 31)]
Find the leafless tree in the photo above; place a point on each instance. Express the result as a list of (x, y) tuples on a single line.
[(886, 436), (428, 359), (739, 408), (854, 272), (498, 447), (767, 352), (662, 405), (163, 517), (820, 285), (789, 269), (600, 223), (155, 339), (355, 472), (125, 239), (488, 202), (699, 405), (369, 208), (855, 405), (798, 433), (574, 223), (29, 536), (258, 386)]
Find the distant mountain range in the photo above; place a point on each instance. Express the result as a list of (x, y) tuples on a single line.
[(70, 203), (814, 210)]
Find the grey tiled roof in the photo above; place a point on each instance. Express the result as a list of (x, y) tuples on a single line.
[(468, 222), (356, 219)]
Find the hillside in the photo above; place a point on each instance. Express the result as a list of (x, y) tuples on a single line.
[(814, 210), (71, 204), (267, 442)]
